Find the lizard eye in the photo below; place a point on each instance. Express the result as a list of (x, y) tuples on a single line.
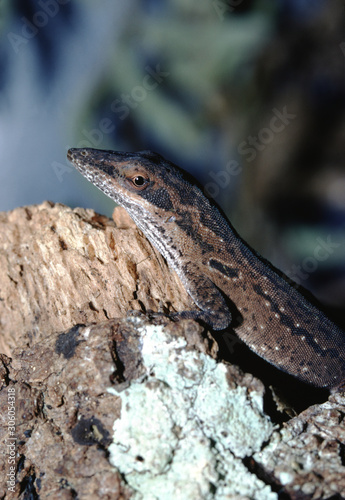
[(139, 181)]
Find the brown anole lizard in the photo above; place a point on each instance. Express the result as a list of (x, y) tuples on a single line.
[(229, 283)]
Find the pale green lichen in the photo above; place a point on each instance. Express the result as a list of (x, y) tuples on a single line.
[(183, 431)]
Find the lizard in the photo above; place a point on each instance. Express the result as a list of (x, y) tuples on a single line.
[(228, 281)]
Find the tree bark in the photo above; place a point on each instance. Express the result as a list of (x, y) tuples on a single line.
[(98, 404)]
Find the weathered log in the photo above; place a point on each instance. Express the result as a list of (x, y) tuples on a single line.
[(131, 406)]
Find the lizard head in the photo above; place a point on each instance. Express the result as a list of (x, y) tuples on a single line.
[(163, 200), (138, 181)]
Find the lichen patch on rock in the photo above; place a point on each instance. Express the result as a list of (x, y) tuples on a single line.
[(183, 432)]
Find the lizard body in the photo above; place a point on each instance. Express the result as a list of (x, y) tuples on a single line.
[(227, 280)]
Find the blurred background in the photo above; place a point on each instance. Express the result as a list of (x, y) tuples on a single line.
[(248, 96)]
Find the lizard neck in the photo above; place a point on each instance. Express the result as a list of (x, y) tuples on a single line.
[(195, 230)]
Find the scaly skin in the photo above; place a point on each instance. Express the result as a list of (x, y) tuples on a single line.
[(228, 281)]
